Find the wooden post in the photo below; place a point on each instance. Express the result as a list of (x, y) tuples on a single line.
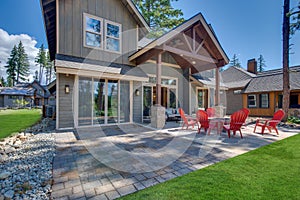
[(158, 80), (217, 92)]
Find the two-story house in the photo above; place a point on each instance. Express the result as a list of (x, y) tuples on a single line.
[(109, 73)]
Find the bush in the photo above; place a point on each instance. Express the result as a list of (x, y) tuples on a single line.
[(294, 120)]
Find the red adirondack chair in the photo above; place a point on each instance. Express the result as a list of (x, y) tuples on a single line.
[(247, 111), (211, 112), (202, 118), (270, 124), (188, 121), (236, 121)]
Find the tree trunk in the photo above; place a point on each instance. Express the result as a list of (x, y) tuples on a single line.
[(286, 79)]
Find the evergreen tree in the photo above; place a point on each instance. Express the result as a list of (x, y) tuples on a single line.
[(12, 67), (160, 15), (235, 61), (22, 70), (41, 60), (2, 82), (49, 69), (261, 63), (295, 17)]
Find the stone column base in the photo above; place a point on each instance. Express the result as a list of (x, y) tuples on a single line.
[(158, 116), (219, 111)]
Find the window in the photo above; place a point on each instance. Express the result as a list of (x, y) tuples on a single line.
[(92, 31), (264, 100), (113, 36), (237, 91), (251, 101)]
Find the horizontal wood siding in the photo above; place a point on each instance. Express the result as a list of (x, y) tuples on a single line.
[(65, 115), (71, 33), (137, 102), (261, 112)]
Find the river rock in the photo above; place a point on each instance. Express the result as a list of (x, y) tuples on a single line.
[(4, 175)]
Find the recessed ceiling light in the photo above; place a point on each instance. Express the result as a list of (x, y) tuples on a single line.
[(193, 62)]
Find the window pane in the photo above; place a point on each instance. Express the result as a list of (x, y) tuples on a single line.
[(172, 98), (112, 44), (99, 101), (93, 25), (93, 39), (113, 30), (85, 101), (124, 101), (264, 101), (112, 95), (251, 101)]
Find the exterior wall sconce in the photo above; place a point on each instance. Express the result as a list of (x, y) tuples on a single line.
[(137, 92), (67, 89)]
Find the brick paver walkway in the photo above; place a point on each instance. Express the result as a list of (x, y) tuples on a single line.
[(78, 174)]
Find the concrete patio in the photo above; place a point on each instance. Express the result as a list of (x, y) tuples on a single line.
[(109, 162)]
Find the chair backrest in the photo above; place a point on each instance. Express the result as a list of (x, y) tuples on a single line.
[(182, 115), (211, 112), (202, 117), (246, 111), (237, 119), (278, 116)]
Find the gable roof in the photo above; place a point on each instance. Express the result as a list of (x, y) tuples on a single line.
[(157, 43), (18, 91), (236, 77), (272, 81), (49, 14)]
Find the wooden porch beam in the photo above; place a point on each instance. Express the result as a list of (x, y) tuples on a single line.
[(158, 80), (188, 54), (147, 56)]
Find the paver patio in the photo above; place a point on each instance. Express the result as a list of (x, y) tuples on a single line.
[(106, 163)]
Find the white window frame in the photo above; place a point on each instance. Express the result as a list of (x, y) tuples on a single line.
[(84, 31), (106, 36), (254, 99)]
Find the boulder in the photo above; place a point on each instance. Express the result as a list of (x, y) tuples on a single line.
[(4, 175)]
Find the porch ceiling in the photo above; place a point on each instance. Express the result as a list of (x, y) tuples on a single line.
[(192, 44)]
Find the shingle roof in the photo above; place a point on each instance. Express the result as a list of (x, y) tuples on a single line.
[(272, 81), (235, 77), (207, 80), (17, 91)]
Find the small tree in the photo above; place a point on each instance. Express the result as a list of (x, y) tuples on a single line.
[(49, 69), (11, 67), (235, 61), (261, 63), (41, 60), (22, 64), (160, 15), (294, 14)]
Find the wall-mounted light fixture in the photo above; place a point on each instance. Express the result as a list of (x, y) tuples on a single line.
[(67, 89), (137, 92)]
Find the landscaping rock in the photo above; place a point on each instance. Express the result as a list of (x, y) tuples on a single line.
[(9, 194), (10, 150), (4, 175)]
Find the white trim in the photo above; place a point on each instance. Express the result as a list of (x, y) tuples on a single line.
[(120, 36), (131, 101), (106, 102), (76, 100), (251, 106), (57, 100), (101, 30), (119, 101)]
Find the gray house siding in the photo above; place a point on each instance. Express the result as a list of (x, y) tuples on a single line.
[(137, 102), (194, 106), (71, 28), (1, 101), (65, 115), (234, 103)]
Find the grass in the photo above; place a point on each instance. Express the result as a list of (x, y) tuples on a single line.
[(270, 172), (12, 121)]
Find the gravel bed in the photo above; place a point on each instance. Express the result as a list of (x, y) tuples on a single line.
[(26, 166)]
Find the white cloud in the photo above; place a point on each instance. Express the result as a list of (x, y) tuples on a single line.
[(7, 42)]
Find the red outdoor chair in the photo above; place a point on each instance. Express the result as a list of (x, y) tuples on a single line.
[(270, 124), (202, 118), (236, 121), (211, 112), (188, 121), (246, 111)]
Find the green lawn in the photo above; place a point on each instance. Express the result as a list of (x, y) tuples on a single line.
[(270, 172), (12, 121)]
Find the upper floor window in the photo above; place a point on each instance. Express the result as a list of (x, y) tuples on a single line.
[(251, 101), (264, 100), (93, 31), (101, 33), (112, 36)]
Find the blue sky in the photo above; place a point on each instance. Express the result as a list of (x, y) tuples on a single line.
[(245, 28)]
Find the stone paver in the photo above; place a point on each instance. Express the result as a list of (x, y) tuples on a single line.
[(79, 175)]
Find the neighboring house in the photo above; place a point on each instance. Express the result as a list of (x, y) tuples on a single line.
[(263, 94), (108, 73), (39, 96), (12, 96), (51, 93), (236, 79)]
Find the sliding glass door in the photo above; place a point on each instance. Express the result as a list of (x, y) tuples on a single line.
[(103, 101)]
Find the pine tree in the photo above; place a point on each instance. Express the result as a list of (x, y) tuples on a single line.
[(41, 60), (2, 82), (12, 67), (22, 70), (49, 69), (295, 17), (160, 15), (261, 63), (234, 62)]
